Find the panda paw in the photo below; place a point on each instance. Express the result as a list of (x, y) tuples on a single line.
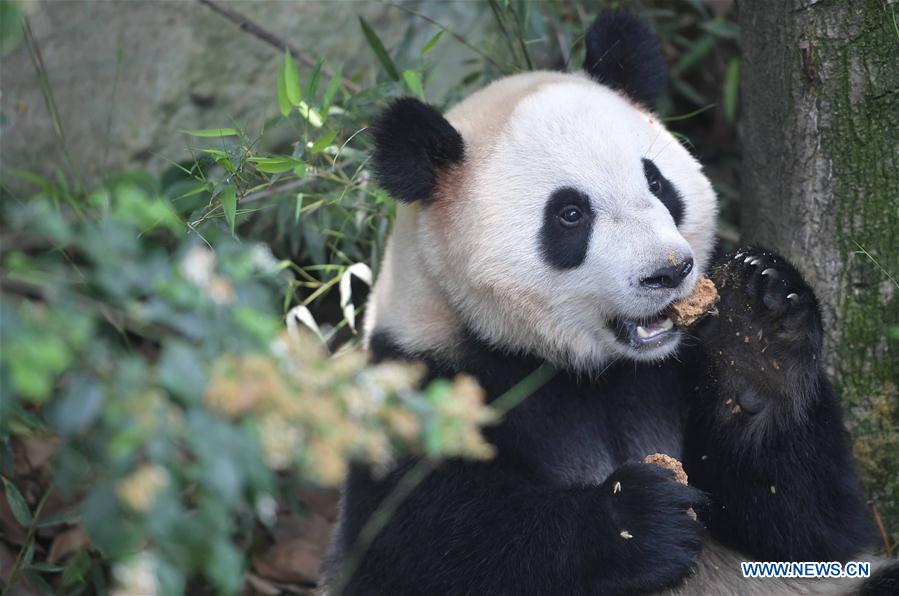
[(767, 337), (655, 535), (765, 301)]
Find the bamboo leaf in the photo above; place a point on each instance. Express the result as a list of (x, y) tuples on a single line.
[(207, 133), (16, 503), (292, 80), (275, 165), (431, 43), (361, 271), (228, 198), (731, 89), (301, 314), (323, 142), (413, 82), (695, 53), (331, 90), (314, 78), (380, 51), (283, 101)]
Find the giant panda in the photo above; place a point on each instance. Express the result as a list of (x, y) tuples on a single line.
[(551, 218)]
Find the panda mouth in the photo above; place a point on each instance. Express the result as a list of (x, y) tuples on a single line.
[(646, 333)]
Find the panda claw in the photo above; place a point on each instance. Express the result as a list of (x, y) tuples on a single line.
[(747, 259), (793, 297), (770, 271)]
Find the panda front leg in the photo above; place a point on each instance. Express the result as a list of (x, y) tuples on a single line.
[(488, 528), (766, 438)]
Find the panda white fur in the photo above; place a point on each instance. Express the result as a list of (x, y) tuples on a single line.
[(552, 217)]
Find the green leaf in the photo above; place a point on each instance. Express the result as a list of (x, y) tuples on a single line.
[(181, 371), (292, 80), (695, 53), (383, 57), (323, 142), (133, 205), (207, 133), (722, 28), (28, 557), (16, 503), (275, 165), (224, 567), (63, 517), (314, 78), (300, 170), (731, 89), (261, 326), (331, 90), (283, 102), (413, 82), (431, 43), (228, 197), (79, 405)]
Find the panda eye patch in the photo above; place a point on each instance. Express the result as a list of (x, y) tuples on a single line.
[(663, 190), (566, 230), (571, 215)]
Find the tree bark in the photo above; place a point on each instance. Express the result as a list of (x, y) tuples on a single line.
[(820, 128)]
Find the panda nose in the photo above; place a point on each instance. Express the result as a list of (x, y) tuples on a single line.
[(668, 277)]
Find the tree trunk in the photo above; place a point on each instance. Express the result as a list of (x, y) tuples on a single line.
[(820, 127)]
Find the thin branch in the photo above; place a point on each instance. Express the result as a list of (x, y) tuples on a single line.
[(452, 34), (37, 60), (379, 519), (270, 38)]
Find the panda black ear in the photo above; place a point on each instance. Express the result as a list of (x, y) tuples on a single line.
[(413, 143), (624, 54)]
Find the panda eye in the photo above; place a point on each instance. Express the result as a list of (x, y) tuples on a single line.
[(655, 186), (570, 216)]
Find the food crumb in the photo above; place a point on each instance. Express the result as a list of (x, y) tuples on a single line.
[(773, 489), (626, 535)]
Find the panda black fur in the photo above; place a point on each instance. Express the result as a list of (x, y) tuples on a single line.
[(550, 217)]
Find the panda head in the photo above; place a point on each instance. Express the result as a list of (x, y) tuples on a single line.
[(547, 213)]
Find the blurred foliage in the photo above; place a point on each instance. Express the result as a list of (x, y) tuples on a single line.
[(157, 419), (157, 368)]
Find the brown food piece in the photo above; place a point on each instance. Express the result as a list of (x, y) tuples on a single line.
[(685, 313), (668, 462)]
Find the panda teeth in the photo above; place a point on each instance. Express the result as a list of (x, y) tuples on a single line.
[(656, 328)]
